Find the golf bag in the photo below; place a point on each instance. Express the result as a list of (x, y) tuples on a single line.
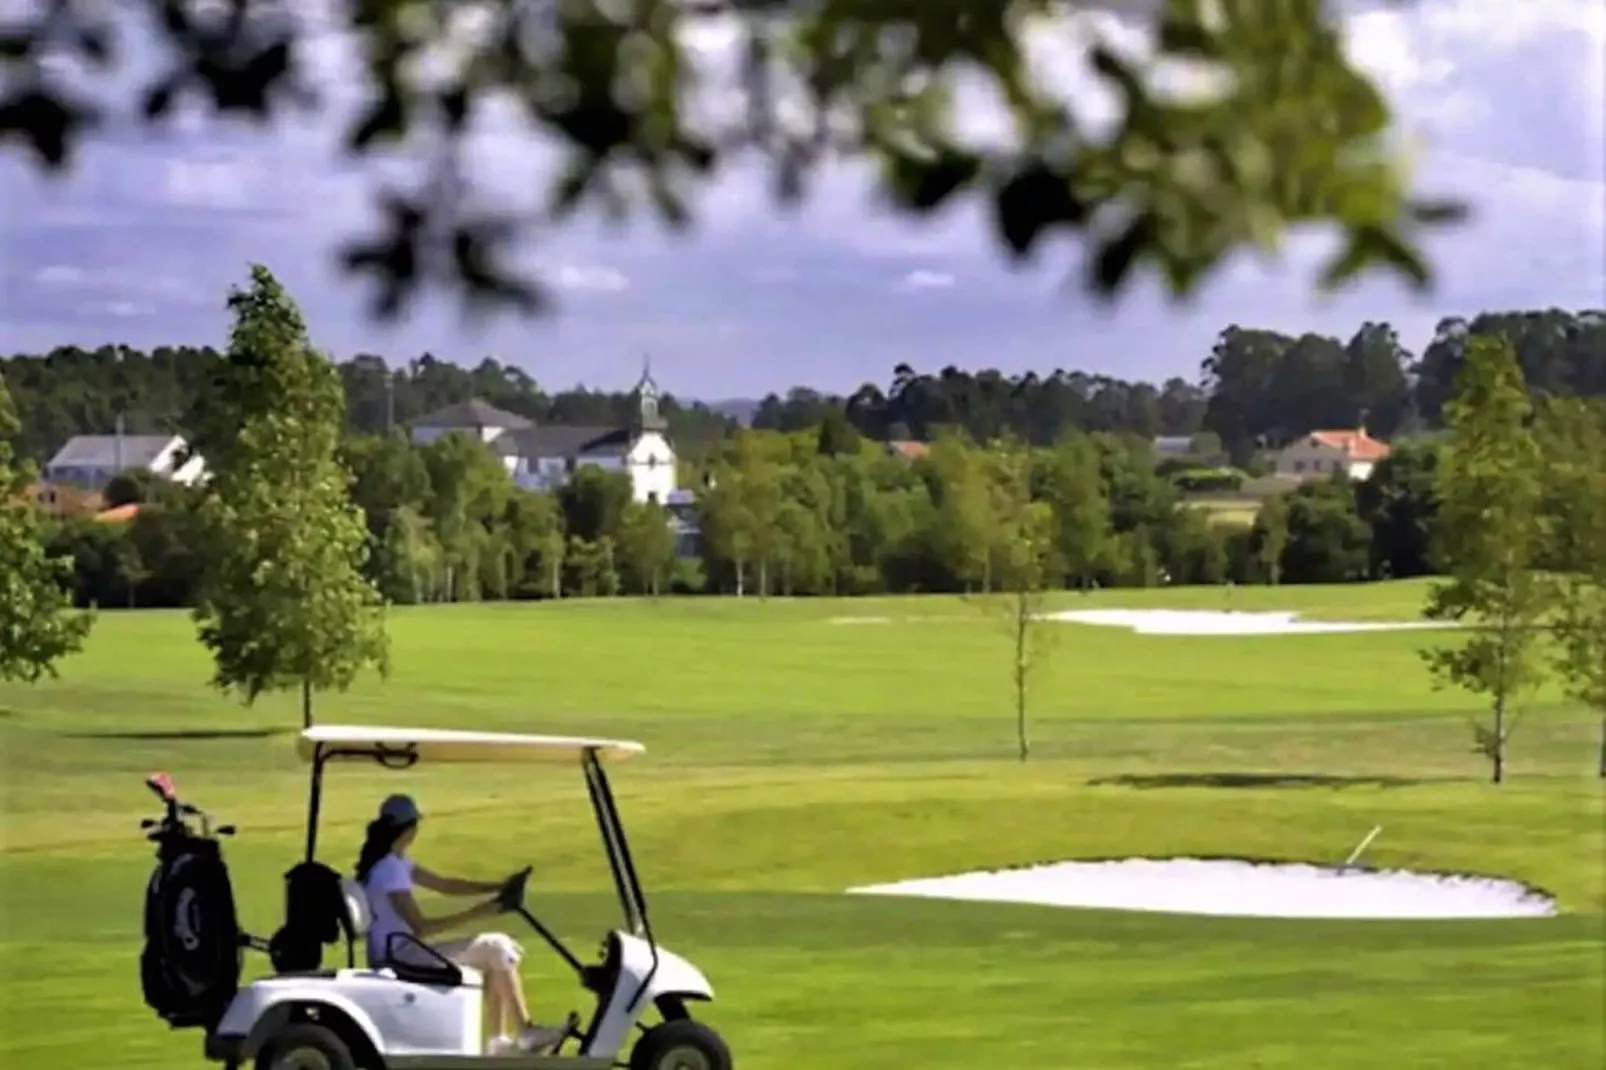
[(191, 963), (315, 915)]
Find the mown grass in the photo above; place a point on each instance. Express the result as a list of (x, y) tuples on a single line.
[(791, 757)]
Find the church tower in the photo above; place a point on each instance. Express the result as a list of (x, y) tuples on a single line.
[(648, 416)]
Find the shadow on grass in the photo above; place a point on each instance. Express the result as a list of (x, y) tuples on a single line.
[(195, 734), (1258, 780)]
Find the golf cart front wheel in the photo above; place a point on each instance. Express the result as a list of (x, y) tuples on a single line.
[(305, 1047), (680, 1045)]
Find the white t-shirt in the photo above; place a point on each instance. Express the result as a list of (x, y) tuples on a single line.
[(393, 873)]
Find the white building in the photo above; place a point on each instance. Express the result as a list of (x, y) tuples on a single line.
[(89, 462), (542, 457), (1323, 453)]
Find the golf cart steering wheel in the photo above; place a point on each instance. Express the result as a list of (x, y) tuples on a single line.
[(511, 897)]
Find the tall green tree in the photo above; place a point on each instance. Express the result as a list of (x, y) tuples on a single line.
[(646, 546), (1573, 438), (469, 491), (1399, 500), (38, 626), (1082, 525), (284, 602), (1488, 538), (965, 525), (1328, 541)]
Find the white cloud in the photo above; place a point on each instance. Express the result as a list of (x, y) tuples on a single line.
[(590, 279), (215, 182), (60, 275), (922, 279)]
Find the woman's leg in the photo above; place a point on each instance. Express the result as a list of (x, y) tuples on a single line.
[(515, 997), (472, 953), (497, 956), (496, 1007)]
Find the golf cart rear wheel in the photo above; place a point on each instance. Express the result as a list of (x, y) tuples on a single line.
[(680, 1045), (305, 1047)]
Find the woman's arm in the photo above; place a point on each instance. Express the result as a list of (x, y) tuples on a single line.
[(407, 909), (453, 885)]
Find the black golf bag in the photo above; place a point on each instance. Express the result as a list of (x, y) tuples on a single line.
[(191, 963)]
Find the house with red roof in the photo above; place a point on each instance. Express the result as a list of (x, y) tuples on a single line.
[(1321, 454)]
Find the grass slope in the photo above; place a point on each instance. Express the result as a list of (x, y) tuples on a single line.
[(790, 757)]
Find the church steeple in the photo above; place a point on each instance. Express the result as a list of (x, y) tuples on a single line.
[(648, 416)]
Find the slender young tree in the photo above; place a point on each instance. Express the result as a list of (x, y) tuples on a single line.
[(38, 626), (1573, 436), (1271, 537), (1489, 538), (284, 602), (1022, 563)]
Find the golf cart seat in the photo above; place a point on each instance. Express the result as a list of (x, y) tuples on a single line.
[(360, 919), (321, 907)]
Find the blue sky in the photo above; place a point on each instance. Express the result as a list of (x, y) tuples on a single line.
[(1503, 100)]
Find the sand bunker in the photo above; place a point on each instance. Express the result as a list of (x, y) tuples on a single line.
[(1229, 888), (1216, 622)]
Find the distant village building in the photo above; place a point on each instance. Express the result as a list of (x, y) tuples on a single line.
[(1172, 446), (89, 462), (542, 457), (1323, 453), (908, 449)]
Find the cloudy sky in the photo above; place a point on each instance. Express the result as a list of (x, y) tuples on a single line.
[(139, 243)]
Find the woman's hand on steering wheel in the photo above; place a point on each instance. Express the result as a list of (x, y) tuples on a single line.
[(511, 897)]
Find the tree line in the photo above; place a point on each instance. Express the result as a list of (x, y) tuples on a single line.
[(821, 511), (1257, 390), (75, 391)]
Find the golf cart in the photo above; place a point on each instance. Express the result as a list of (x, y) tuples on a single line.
[(395, 1016)]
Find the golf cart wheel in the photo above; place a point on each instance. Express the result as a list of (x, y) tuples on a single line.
[(680, 1045), (305, 1047)]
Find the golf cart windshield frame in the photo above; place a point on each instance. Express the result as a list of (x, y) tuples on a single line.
[(606, 811)]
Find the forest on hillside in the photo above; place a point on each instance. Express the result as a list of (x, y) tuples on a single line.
[(1255, 388)]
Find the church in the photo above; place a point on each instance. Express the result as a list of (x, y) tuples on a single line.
[(542, 457)]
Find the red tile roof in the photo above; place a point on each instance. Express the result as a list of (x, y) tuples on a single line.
[(908, 449), (1355, 445), (118, 513)]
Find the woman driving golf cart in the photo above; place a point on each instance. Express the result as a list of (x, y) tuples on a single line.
[(387, 876)]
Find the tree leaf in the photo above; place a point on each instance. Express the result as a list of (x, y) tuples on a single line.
[(160, 96), (1119, 255), (384, 120), (1036, 199)]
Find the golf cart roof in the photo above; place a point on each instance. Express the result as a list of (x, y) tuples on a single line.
[(446, 745)]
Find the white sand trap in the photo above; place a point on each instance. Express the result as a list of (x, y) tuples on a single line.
[(1228, 888), (861, 620), (1218, 622)]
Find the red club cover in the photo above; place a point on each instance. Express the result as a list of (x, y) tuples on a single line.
[(162, 784)]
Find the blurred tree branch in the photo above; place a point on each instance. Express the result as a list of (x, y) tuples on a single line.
[(1295, 135)]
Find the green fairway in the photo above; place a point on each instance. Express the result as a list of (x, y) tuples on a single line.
[(791, 756)]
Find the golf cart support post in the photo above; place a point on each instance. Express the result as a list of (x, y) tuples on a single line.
[(268, 1022)]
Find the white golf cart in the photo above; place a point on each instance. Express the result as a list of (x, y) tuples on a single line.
[(397, 1017)]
